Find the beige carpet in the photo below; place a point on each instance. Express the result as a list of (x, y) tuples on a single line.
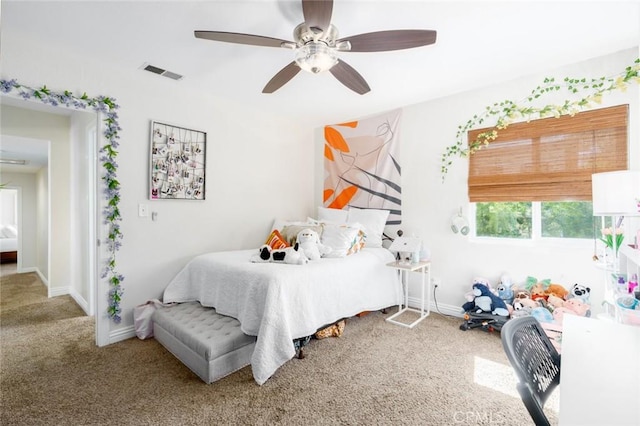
[(376, 373)]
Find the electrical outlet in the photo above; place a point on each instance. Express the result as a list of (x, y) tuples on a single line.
[(435, 282), (143, 210)]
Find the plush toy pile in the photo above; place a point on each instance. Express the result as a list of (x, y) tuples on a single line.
[(307, 247), (483, 299), (546, 301)]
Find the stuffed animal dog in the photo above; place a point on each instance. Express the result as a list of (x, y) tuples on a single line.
[(290, 255)]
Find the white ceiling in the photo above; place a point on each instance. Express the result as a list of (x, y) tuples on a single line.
[(479, 43), (34, 151)]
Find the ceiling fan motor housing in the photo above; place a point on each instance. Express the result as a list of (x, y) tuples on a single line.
[(304, 34), (315, 48)]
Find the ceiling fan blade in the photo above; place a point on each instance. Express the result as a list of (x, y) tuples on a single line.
[(349, 77), (317, 13), (382, 41), (282, 77), (240, 38)]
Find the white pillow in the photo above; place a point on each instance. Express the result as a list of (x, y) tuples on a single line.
[(343, 239), (373, 222), (9, 231), (332, 215), (281, 223)]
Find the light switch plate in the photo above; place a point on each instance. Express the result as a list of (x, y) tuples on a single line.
[(143, 210)]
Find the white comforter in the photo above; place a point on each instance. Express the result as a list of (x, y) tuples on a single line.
[(279, 302), (8, 244)]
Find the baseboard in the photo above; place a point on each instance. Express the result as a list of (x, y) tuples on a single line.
[(42, 278), (81, 301), (122, 334), (40, 275), (444, 309), (59, 291), (35, 269)]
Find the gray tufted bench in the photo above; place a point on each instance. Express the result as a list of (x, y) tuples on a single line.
[(210, 344)]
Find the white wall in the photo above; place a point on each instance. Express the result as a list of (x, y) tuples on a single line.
[(428, 204), (244, 192), (8, 206), (81, 187), (42, 222)]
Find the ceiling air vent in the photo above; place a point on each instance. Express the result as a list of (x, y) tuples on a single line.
[(160, 71)]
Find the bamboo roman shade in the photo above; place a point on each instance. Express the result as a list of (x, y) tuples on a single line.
[(550, 159)]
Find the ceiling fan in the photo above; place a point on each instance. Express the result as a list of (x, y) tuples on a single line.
[(317, 46)]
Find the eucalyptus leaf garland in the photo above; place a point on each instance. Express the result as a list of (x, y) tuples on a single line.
[(108, 154), (502, 114)]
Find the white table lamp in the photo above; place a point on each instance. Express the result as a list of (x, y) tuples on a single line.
[(616, 193), (406, 247)]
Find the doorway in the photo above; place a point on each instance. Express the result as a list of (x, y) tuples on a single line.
[(9, 227), (71, 222), (25, 169)]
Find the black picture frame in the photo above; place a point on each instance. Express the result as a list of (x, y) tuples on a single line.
[(177, 162)]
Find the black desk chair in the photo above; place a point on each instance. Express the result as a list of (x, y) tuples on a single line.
[(536, 362)]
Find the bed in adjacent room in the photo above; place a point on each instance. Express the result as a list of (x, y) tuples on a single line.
[(280, 302), (8, 244)]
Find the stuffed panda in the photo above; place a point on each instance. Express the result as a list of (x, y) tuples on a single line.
[(581, 292)]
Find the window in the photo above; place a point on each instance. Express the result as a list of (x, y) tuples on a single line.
[(503, 220), (566, 219), (555, 219), (534, 180)]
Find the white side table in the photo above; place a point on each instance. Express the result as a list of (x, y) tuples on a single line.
[(403, 270)]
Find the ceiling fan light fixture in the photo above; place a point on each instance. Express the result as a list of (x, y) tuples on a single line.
[(316, 57)]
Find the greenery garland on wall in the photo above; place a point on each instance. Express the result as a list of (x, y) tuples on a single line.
[(108, 155), (506, 112)]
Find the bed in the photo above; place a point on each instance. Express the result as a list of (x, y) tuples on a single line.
[(8, 244), (281, 302)]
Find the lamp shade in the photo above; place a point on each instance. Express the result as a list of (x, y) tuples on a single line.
[(616, 193), (406, 245), (316, 57)]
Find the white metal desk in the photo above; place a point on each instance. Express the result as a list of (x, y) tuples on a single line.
[(403, 270), (599, 373)]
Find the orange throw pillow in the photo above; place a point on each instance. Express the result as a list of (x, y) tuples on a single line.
[(276, 241)]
